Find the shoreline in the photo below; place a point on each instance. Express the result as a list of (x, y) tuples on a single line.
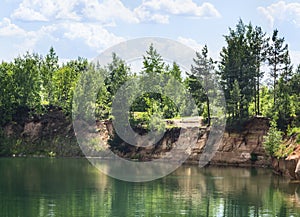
[(52, 135)]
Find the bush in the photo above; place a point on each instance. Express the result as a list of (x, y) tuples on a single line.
[(273, 139)]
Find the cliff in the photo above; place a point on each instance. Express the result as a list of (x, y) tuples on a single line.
[(52, 134), (289, 166), (241, 147)]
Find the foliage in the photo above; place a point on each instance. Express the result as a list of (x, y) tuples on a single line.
[(31, 83), (277, 55), (239, 68), (200, 81), (273, 139)]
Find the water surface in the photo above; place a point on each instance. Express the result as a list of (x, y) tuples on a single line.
[(73, 187)]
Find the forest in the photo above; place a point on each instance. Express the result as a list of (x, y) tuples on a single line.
[(254, 70)]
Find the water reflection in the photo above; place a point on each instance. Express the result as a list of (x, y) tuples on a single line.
[(72, 187)]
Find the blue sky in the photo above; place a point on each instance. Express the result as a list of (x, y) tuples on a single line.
[(86, 27)]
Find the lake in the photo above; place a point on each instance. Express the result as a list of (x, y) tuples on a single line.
[(36, 187)]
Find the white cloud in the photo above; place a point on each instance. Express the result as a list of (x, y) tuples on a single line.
[(175, 7), (9, 29), (281, 11), (108, 11), (31, 38), (95, 36), (44, 10), (295, 57), (214, 54), (190, 43), (144, 15), (25, 13)]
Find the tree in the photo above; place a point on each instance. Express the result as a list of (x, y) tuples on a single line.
[(89, 101), (27, 82), (118, 74), (48, 67), (240, 61), (284, 105), (172, 88), (295, 97), (64, 81), (235, 97), (7, 91), (258, 44), (200, 79), (276, 58), (273, 139), (153, 62), (237, 64), (175, 72)]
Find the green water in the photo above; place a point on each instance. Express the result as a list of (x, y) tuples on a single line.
[(72, 187)]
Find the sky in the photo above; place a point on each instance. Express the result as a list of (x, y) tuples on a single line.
[(85, 28)]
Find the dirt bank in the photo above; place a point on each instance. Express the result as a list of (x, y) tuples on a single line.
[(52, 134)]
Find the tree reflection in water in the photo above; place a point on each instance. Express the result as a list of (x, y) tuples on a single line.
[(72, 187)]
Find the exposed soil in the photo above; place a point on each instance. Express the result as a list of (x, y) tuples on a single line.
[(52, 134)]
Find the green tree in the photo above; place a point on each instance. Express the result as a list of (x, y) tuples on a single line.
[(64, 81), (7, 91), (90, 95), (48, 67), (276, 58), (235, 65), (293, 87), (258, 46), (27, 82), (118, 74), (273, 139), (200, 79), (235, 97), (153, 62), (241, 60), (284, 105)]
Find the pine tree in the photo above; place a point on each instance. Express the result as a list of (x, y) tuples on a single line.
[(277, 53), (48, 68), (200, 79), (241, 62), (258, 45)]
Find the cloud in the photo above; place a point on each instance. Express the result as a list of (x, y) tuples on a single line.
[(295, 57), (144, 15), (94, 36), (9, 29), (87, 20), (190, 43), (108, 11), (76, 10), (27, 39), (214, 54), (175, 7), (45, 10), (281, 11), (31, 38), (25, 13)]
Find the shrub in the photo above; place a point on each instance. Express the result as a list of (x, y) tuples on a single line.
[(273, 139)]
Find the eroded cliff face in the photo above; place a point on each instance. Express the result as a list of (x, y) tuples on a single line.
[(50, 134), (242, 147), (289, 166), (53, 133)]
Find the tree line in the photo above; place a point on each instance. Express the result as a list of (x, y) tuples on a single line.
[(33, 83), (249, 56)]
